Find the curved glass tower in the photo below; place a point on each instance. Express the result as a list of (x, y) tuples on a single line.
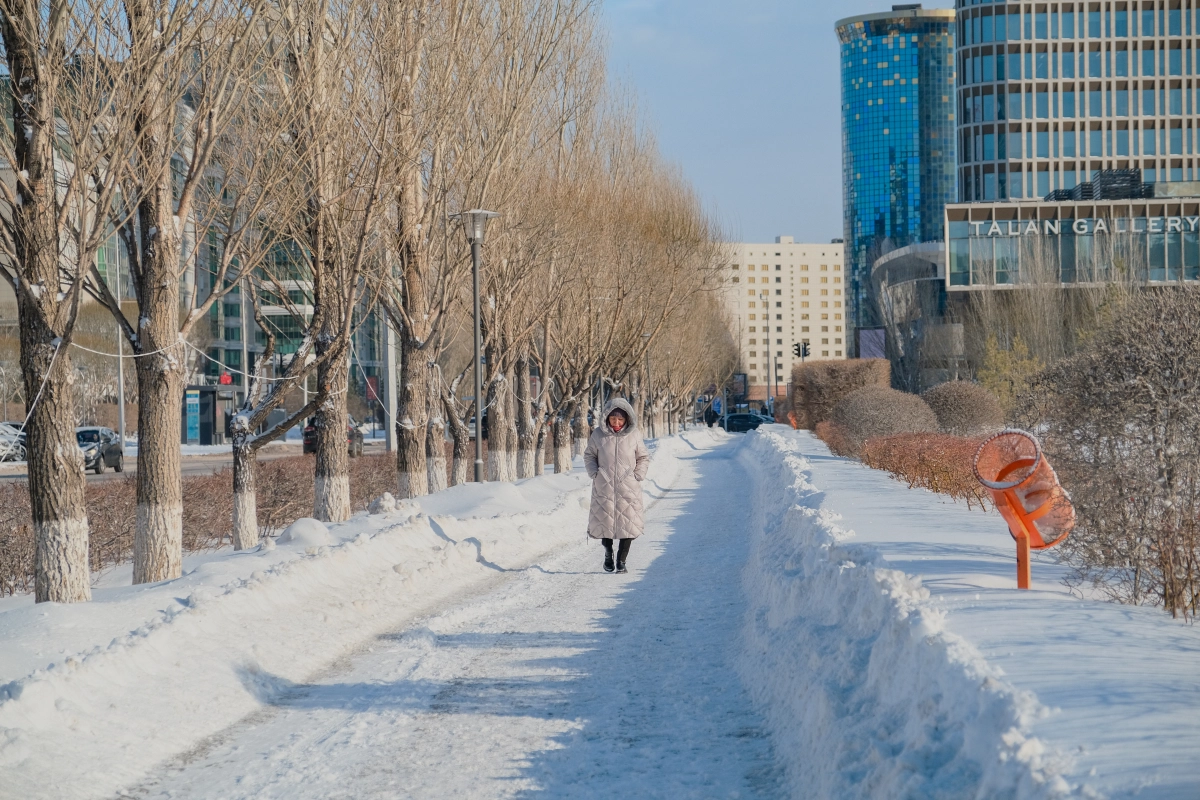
[(1051, 93), (898, 154)]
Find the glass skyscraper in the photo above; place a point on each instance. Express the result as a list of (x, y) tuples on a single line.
[(1052, 93), (898, 139)]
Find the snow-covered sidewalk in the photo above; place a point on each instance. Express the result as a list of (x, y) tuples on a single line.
[(793, 624), (563, 681)]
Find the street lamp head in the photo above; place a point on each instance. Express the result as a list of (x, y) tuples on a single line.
[(475, 223), (646, 337)]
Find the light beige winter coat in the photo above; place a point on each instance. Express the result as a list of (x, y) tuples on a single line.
[(617, 464)]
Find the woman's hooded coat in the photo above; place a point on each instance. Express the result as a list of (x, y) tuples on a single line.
[(617, 464)]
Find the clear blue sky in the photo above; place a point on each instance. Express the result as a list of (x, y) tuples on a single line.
[(744, 96)]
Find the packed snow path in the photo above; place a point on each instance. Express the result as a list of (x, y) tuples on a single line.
[(558, 680)]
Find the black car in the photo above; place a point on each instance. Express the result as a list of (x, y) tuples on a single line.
[(101, 449), (354, 438), (740, 423)]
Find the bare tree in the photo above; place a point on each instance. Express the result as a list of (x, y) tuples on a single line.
[(192, 71), (62, 61)]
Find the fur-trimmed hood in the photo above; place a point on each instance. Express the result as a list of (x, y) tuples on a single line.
[(630, 418)]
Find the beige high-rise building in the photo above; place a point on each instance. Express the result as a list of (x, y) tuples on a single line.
[(780, 294)]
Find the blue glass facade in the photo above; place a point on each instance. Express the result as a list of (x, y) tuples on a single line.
[(898, 139)]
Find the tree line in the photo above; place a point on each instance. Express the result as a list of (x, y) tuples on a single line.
[(309, 157)]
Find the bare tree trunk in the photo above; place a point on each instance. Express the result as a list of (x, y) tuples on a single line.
[(510, 430), (245, 500), (562, 439), (526, 429), (580, 429), (435, 445), (56, 483), (463, 455), (497, 421), (411, 430), (158, 539), (331, 495), (539, 460)]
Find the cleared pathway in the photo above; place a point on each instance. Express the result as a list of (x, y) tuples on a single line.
[(558, 681)]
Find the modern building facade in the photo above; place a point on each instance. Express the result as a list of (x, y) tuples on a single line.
[(898, 143), (1148, 240), (780, 294), (1052, 93)]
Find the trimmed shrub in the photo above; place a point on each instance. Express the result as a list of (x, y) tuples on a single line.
[(833, 438), (964, 409), (877, 411), (934, 461), (819, 386)]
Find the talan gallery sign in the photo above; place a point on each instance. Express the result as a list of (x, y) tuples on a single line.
[(1084, 227)]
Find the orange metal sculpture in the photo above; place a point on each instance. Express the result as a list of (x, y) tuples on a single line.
[(1011, 466)]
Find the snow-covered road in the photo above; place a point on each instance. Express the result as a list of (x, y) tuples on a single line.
[(558, 680)]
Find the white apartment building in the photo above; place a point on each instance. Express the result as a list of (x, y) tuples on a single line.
[(780, 294)]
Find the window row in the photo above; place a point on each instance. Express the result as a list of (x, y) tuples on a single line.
[(977, 145), (1168, 59), (1009, 182), (1070, 21), (1067, 102)]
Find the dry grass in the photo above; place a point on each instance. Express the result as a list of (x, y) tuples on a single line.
[(935, 461)]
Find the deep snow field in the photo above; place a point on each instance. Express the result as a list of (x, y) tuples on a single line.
[(793, 625)]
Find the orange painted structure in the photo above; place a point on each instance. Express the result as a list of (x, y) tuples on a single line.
[(1012, 467)]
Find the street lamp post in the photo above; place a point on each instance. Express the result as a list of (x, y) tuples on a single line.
[(770, 358), (475, 225), (649, 393), (120, 365)]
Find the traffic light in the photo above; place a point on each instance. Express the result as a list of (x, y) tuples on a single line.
[(796, 351)]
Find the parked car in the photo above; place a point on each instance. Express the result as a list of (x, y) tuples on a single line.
[(740, 423), (354, 438), (12, 442), (101, 448)]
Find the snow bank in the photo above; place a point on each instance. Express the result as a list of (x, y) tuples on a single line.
[(895, 657), (865, 690), (94, 695)]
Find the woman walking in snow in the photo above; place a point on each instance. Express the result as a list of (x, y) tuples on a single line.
[(616, 459)]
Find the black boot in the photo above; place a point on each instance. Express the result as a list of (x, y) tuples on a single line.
[(608, 555), (622, 553)]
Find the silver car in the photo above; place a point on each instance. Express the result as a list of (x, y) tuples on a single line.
[(101, 448), (12, 442)]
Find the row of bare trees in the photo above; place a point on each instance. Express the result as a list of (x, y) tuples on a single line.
[(307, 157)]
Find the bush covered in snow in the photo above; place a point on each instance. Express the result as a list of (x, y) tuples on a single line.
[(876, 411), (820, 385), (1121, 425), (963, 408)]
